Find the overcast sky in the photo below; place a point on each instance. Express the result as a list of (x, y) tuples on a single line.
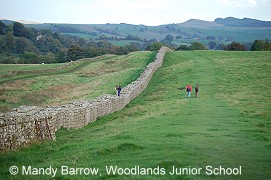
[(148, 12)]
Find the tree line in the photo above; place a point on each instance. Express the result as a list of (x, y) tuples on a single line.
[(20, 44), (257, 45)]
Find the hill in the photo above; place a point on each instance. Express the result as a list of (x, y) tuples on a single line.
[(245, 22), (200, 23), (228, 126), (241, 30), (221, 30)]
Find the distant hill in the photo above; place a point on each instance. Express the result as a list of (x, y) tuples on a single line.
[(28, 22), (245, 22), (222, 30), (199, 23), (7, 22)]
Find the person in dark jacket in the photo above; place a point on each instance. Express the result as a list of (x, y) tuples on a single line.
[(196, 90), (117, 86), (119, 89)]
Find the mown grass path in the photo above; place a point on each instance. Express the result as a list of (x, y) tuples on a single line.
[(162, 128)]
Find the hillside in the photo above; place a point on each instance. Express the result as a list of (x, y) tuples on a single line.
[(227, 126), (241, 30), (221, 31), (245, 22), (85, 79)]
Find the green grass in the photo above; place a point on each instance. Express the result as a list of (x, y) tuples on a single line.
[(7, 68), (84, 80), (163, 128)]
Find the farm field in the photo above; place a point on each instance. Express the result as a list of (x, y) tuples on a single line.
[(227, 126), (83, 80)]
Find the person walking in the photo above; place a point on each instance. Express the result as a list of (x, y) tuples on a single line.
[(119, 89), (117, 86), (188, 90), (196, 90)]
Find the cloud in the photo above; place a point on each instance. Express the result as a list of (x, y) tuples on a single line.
[(239, 3), (251, 3)]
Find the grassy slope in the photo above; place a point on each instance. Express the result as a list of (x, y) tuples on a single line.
[(6, 68), (163, 128), (82, 81)]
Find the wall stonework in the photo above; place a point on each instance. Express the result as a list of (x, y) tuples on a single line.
[(30, 123)]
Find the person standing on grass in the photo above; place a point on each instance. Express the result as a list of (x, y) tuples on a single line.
[(117, 86), (188, 90), (119, 89), (196, 90)]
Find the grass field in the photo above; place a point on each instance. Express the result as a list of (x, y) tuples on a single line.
[(84, 80), (6, 68), (228, 125)]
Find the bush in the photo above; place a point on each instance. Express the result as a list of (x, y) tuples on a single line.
[(260, 45), (154, 46), (198, 46), (235, 46)]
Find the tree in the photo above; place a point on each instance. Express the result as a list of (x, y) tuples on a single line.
[(154, 46), (30, 57), (42, 46), (3, 28), (220, 47), (47, 32), (235, 46), (19, 30), (260, 45), (48, 59), (169, 38), (60, 56), (198, 46), (123, 50), (179, 37), (74, 53), (21, 45), (212, 45), (105, 44), (82, 42), (10, 41), (137, 46), (32, 33), (54, 45), (267, 46)]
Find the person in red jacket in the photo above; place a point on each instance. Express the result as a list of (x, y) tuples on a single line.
[(188, 90)]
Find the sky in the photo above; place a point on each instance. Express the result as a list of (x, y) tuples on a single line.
[(147, 12)]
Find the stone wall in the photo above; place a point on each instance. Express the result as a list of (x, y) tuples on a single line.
[(30, 123)]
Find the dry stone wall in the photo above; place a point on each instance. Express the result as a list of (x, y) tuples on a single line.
[(30, 123)]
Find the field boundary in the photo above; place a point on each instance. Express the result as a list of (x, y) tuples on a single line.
[(30, 123)]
